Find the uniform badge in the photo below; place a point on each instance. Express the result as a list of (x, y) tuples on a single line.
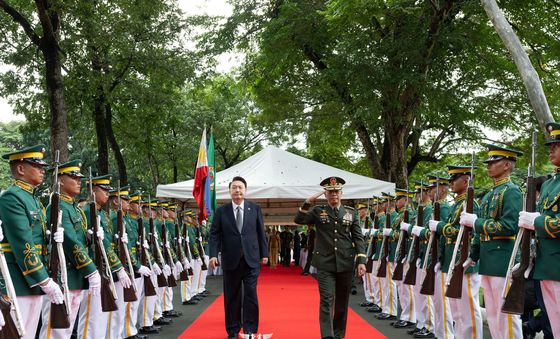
[(324, 216), (347, 219)]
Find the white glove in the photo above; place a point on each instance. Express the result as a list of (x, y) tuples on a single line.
[(179, 266), (2, 322), (187, 238), (203, 222), (416, 230), (418, 263), (99, 231), (387, 232), (1, 231), (527, 219), (404, 226), (433, 225), (167, 244), (186, 264), (373, 232), (58, 236), (467, 219), (94, 281), (174, 272), (180, 241), (166, 270), (124, 278), (437, 267), (145, 244), (53, 291), (467, 264), (200, 238), (144, 271), (156, 269), (199, 261), (124, 238)]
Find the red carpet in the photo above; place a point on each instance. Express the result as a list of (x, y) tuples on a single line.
[(289, 308)]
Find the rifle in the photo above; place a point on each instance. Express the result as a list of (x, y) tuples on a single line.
[(383, 257), (370, 250), (149, 289), (414, 251), (59, 313), (183, 276), (161, 279), (401, 244), (204, 267), (129, 294), (13, 327), (514, 298), (454, 280), (108, 292), (171, 282), (188, 248), (429, 281)]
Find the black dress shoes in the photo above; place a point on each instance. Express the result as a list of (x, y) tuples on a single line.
[(366, 304), (423, 334), (374, 309), (386, 316), (162, 321), (149, 329), (402, 324), (190, 302), (414, 330), (172, 314), (137, 336), (354, 291)]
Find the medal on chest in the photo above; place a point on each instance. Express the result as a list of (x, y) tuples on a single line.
[(324, 217)]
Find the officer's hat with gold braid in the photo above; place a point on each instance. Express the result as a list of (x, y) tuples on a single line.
[(554, 132), (152, 204), (374, 200), (496, 153), (135, 198), (123, 193), (332, 183), (70, 168), (360, 206), (456, 171), (33, 154), (401, 193), (103, 181)]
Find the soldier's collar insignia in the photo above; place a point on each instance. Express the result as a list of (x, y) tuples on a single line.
[(66, 198), (24, 186), (501, 181), (461, 197)]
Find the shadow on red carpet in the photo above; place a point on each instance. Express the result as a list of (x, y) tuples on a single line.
[(289, 308)]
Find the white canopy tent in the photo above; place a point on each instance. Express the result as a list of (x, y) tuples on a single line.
[(281, 180)]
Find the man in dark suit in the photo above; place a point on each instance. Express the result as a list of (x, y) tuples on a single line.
[(238, 233)]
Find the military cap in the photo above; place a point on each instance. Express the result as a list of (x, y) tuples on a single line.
[(123, 192), (420, 185), (33, 154), (187, 212), (103, 181), (553, 129), (163, 204), (332, 183), (433, 181), (70, 168), (135, 198), (496, 153), (152, 203), (456, 171), (172, 206), (401, 193), (360, 206), (387, 196)]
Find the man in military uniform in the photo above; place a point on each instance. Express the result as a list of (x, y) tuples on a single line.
[(169, 228), (93, 322), (465, 311), (339, 241), (310, 249), (496, 223), (367, 278), (24, 227), (379, 209), (80, 269), (166, 263), (187, 292), (546, 225)]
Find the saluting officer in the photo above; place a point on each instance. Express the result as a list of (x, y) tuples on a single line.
[(338, 245), (546, 224), (24, 226), (496, 224), (80, 269)]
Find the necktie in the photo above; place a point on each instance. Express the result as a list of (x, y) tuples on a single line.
[(239, 219), (336, 211)]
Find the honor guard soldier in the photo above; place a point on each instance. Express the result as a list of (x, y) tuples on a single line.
[(378, 203), (546, 224), (338, 246), (365, 224), (407, 317), (423, 303), (187, 290), (465, 311), (81, 271), (496, 223), (161, 215), (24, 230), (92, 322), (169, 227)]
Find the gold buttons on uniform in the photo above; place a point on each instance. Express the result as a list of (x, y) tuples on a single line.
[(335, 248), (335, 239), (335, 231)]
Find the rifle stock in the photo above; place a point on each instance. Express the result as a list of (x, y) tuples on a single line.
[(204, 267), (188, 250), (149, 289), (161, 280), (401, 250), (183, 276), (410, 276), (171, 282), (428, 284), (371, 247), (129, 294)]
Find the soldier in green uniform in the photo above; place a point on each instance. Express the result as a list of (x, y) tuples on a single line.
[(496, 223), (92, 322), (546, 225), (169, 228), (365, 222), (161, 216), (374, 236), (338, 246), (187, 288), (466, 311), (81, 271), (24, 230)]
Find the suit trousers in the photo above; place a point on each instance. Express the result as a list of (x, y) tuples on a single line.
[(240, 298), (334, 288), (75, 297)]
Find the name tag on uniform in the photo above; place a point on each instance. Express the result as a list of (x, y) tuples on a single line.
[(324, 217), (347, 219)]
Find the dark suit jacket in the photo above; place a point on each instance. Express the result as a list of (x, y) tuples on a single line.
[(225, 238)]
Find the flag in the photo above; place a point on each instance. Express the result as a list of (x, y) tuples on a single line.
[(200, 178), (210, 193)]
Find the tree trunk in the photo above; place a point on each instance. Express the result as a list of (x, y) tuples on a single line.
[(530, 77), (121, 165)]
